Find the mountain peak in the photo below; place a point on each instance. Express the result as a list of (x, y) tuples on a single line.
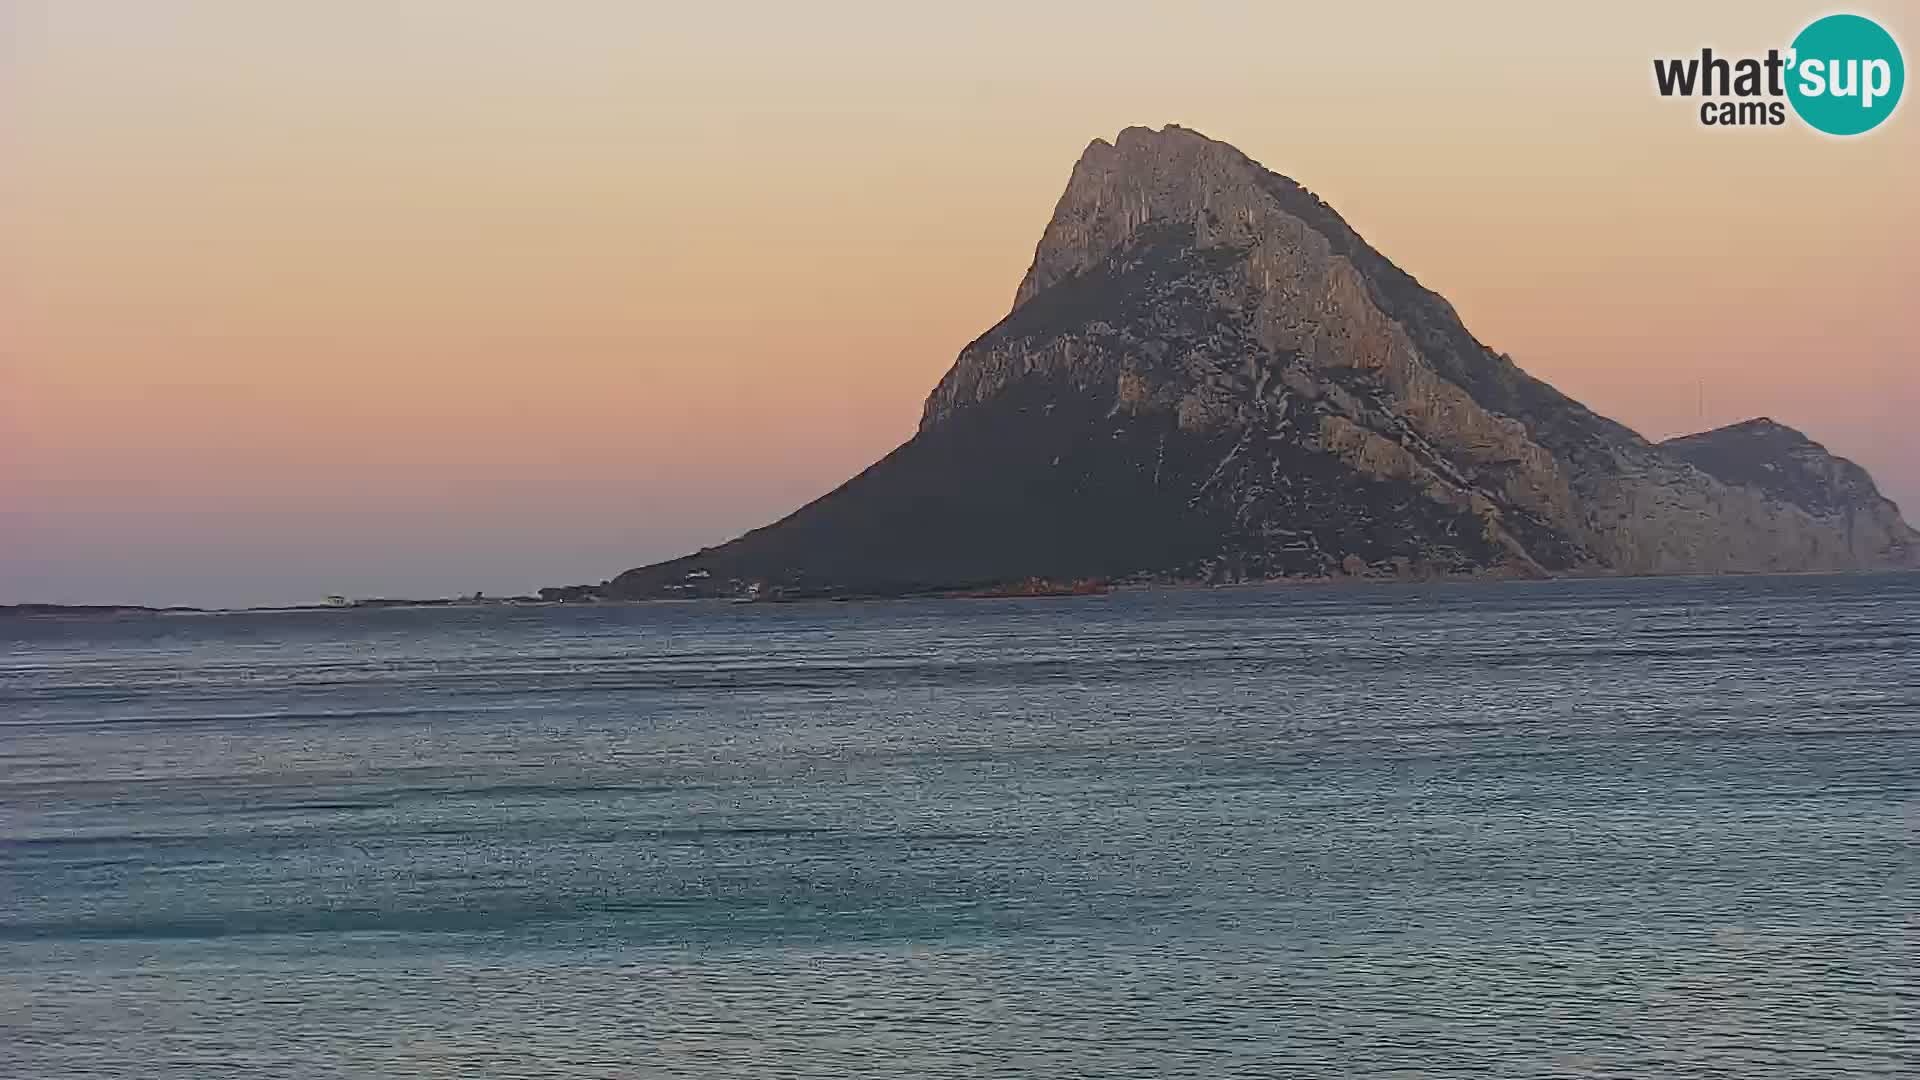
[(1134, 135), (1208, 375), (1783, 462), (1115, 188)]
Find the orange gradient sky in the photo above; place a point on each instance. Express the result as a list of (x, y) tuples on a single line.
[(412, 298)]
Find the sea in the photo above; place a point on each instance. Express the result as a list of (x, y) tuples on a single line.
[(1602, 828)]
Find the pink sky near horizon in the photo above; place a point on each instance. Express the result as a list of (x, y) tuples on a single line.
[(418, 299)]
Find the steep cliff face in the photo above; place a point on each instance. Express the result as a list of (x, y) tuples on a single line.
[(1206, 373)]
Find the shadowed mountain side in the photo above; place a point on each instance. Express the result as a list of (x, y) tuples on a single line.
[(1043, 483)]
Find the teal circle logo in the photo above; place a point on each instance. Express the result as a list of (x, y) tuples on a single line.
[(1846, 74)]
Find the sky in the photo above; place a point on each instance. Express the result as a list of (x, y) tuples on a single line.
[(428, 298)]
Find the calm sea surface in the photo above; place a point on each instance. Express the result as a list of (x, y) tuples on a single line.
[(1612, 828)]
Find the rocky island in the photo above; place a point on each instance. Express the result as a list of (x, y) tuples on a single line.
[(1207, 375)]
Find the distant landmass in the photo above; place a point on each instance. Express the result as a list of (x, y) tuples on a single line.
[(331, 603), (1207, 375), (7, 610)]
